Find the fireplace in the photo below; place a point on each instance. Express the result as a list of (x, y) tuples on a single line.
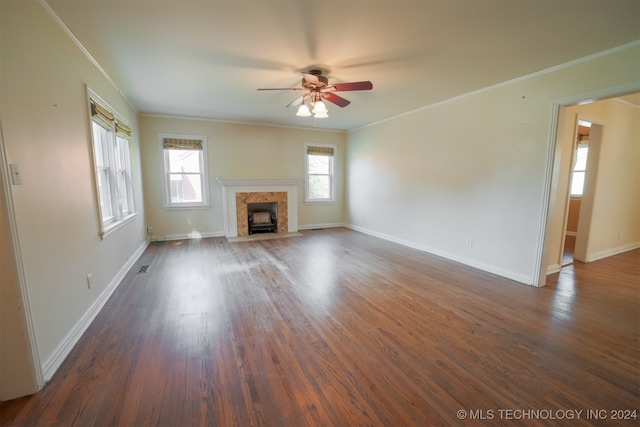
[(262, 217), (238, 192), (262, 198)]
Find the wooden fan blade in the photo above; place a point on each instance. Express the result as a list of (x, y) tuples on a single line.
[(342, 87), (338, 100)]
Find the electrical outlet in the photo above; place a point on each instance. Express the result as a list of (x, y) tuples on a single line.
[(89, 281), (619, 235), (149, 230), (469, 242)]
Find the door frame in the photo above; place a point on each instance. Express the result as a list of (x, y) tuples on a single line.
[(560, 255), (588, 195), (551, 182), (583, 229), (6, 203)]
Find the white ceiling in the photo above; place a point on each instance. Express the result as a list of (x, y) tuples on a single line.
[(207, 58)]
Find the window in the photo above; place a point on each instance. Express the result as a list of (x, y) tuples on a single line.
[(185, 171), (112, 163), (124, 175), (580, 165), (103, 162), (320, 173), (579, 170)]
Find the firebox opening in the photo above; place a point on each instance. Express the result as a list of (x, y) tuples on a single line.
[(263, 217)]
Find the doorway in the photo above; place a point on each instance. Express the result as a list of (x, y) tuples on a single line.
[(576, 189), (606, 223), (581, 191)]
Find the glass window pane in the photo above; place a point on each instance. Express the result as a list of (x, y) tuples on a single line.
[(184, 161), (581, 158), (123, 150), (577, 183), (319, 187), (124, 191), (319, 164), (101, 136), (185, 188), (105, 194), (124, 174)]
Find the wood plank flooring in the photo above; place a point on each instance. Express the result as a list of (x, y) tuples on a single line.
[(337, 328)]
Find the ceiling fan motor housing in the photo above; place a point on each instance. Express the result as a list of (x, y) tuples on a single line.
[(323, 81)]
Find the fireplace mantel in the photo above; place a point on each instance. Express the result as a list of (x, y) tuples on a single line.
[(231, 186), (229, 182)]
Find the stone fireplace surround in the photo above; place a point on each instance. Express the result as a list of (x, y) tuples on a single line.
[(242, 213), (237, 192)]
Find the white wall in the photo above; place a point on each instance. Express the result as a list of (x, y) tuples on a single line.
[(616, 208), (471, 168), (45, 123), (234, 151)]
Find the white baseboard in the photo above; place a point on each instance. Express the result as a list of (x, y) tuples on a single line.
[(51, 365), (192, 235), (552, 269), (472, 263), (612, 251), (317, 226)]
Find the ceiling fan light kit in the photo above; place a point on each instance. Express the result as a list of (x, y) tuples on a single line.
[(303, 111), (319, 108), (318, 88)]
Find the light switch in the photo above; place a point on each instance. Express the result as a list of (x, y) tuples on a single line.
[(15, 174)]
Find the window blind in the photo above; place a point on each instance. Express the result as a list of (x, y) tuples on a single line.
[(122, 130), (181, 144), (101, 114), (320, 151)]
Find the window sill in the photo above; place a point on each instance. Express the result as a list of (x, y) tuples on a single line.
[(106, 230), (186, 207), (320, 202)]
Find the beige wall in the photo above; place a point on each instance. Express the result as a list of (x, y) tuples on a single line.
[(616, 209), (234, 151), (471, 168), (45, 124)]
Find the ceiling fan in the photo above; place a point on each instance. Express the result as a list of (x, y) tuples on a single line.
[(317, 88)]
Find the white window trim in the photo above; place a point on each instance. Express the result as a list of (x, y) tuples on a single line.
[(120, 218), (334, 198), (166, 197)]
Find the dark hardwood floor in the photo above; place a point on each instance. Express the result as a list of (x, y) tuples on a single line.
[(568, 250), (337, 328)]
